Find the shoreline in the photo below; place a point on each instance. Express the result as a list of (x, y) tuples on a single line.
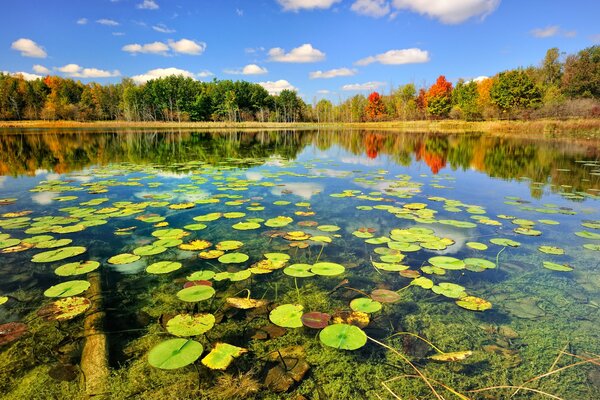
[(549, 128)]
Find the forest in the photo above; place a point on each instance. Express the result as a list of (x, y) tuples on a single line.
[(561, 86)]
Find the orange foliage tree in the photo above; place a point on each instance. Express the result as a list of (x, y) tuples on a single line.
[(439, 97), (375, 108)]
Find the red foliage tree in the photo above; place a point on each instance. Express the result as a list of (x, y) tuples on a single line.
[(422, 101), (375, 108)]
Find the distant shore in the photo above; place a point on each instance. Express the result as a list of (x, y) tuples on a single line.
[(580, 128)]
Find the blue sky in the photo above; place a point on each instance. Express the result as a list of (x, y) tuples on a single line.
[(357, 45)]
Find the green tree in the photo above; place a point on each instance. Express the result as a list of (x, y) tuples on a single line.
[(514, 90), (465, 97), (581, 76)]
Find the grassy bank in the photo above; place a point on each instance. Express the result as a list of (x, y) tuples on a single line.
[(581, 128)]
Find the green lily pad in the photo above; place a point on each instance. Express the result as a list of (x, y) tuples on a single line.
[(234, 214), (423, 282), (65, 309), (552, 250), (149, 250), (163, 267), (505, 242), (278, 222), (67, 289), (233, 258), (57, 255), (195, 227), (445, 262), (477, 246), (277, 257), (122, 259), (527, 231), (557, 267), (245, 226), (592, 246), (404, 246), (175, 353), (76, 268), (299, 271), (201, 276), (474, 303), (222, 355), (327, 269), (343, 336), (3, 299), (196, 293), (479, 263), (233, 276), (287, 316), (190, 325), (588, 235), (328, 228), (365, 304), (227, 245), (173, 233), (208, 217), (167, 242), (451, 290), (53, 243)]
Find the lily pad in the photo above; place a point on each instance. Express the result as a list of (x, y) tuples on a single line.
[(201, 276), (451, 290), (287, 316), (327, 269), (246, 226), (552, 250), (557, 267), (122, 259), (11, 331), (278, 222), (328, 228), (3, 299), (57, 255), (233, 258), (423, 282), (474, 303), (65, 309), (222, 355), (244, 303), (208, 217), (76, 268), (210, 254), (477, 246), (343, 336), (149, 250), (384, 296), (299, 271), (277, 257), (227, 245), (315, 319), (67, 289), (163, 267), (175, 353), (190, 325), (453, 356), (445, 262), (365, 304), (195, 245), (479, 263), (505, 242), (193, 294)]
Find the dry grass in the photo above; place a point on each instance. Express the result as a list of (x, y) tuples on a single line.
[(582, 128)]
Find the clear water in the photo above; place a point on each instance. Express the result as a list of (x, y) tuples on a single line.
[(481, 188)]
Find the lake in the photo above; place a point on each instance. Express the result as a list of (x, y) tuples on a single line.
[(298, 264)]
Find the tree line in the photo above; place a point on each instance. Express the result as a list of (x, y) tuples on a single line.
[(561, 86)]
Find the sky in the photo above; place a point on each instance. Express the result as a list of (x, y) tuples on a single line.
[(320, 48)]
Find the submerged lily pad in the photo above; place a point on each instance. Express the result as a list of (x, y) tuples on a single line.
[(343, 336), (287, 316), (190, 325), (67, 289), (193, 294), (175, 353), (453, 356), (76, 268), (222, 355), (57, 255), (163, 267)]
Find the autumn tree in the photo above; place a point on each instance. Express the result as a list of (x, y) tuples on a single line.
[(581, 76), (439, 98), (375, 109), (514, 90)]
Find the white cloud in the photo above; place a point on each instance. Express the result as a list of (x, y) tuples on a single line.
[(449, 11), (148, 48), (397, 57), (545, 32), (250, 69), (277, 87), (371, 8), (300, 189), (187, 46), (303, 54), (357, 87), (148, 5), (332, 73), (28, 48), (76, 71), (252, 50), (82, 21), (205, 74), (552, 30), (162, 28), (40, 69), (26, 75), (107, 22), (44, 198), (295, 5), (161, 73)]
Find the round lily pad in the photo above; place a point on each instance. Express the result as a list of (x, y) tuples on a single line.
[(195, 227), (328, 228), (175, 353), (557, 267), (244, 303), (474, 303), (327, 269), (195, 245), (588, 235), (3, 299), (190, 325), (445, 262), (343, 336), (365, 304), (233, 258), (149, 250), (299, 271), (193, 294), (505, 242), (210, 254), (163, 267), (65, 309), (384, 296), (57, 255), (201, 276), (208, 217), (278, 222), (168, 242), (67, 289), (315, 319), (423, 282), (227, 245), (76, 268), (171, 233), (222, 355), (287, 316), (592, 246), (552, 250), (479, 263), (53, 243), (450, 290), (122, 259), (245, 226), (277, 257), (477, 246)]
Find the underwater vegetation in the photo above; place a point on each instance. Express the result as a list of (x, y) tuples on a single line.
[(302, 274)]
